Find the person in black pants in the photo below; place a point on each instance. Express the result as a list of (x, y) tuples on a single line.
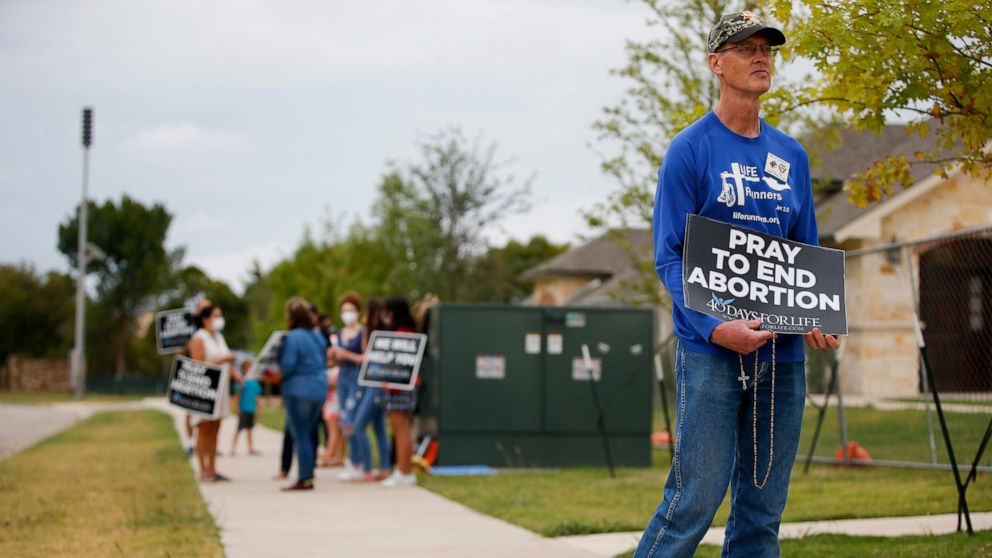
[(288, 446)]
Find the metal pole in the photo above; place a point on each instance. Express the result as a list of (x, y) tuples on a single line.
[(79, 352), (962, 499), (600, 419), (923, 381), (821, 415)]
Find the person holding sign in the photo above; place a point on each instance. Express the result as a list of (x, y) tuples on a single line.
[(304, 384), (731, 166), (208, 345), (400, 405)]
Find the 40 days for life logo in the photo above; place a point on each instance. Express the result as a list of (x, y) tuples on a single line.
[(733, 273)]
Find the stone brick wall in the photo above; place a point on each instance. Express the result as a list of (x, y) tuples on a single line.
[(34, 374), (881, 359)]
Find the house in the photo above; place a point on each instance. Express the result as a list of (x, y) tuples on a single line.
[(880, 357), (600, 272)]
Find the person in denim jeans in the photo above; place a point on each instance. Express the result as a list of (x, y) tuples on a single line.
[(347, 353), (733, 167), (304, 384)]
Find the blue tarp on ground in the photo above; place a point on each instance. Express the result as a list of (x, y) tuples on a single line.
[(462, 471)]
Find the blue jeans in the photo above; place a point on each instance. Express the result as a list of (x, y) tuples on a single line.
[(371, 409), (714, 448), (349, 396), (301, 417)]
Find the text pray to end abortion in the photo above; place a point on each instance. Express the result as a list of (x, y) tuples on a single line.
[(779, 282)]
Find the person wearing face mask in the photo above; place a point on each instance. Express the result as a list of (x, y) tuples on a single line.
[(347, 353), (371, 406), (208, 345)]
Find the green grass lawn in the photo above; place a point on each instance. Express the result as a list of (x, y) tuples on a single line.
[(897, 435), (117, 484), (892, 435), (272, 416), (579, 501), (43, 398), (958, 545)]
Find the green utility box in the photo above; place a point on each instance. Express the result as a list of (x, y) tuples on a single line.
[(507, 386)]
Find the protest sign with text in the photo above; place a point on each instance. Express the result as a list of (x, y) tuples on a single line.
[(196, 387), (268, 357), (732, 273), (393, 360), (173, 329)]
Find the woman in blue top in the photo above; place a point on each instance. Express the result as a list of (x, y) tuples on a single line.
[(348, 354), (370, 404), (304, 383)]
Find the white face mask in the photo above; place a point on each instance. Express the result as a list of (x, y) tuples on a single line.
[(218, 323), (349, 317)]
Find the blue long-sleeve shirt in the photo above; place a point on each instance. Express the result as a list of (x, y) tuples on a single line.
[(760, 183), (303, 360)]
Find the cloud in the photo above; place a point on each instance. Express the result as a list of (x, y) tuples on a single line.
[(233, 266), (186, 143)]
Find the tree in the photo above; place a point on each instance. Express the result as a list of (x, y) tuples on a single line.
[(409, 242), (437, 209), (135, 266), (495, 276), (931, 61), (36, 312), (670, 86), (190, 281)]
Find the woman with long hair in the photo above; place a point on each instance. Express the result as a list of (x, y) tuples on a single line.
[(370, 408), (400, 404), (304, 384), (208, 345)]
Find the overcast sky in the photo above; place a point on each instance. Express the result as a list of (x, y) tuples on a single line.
[(251, 119)]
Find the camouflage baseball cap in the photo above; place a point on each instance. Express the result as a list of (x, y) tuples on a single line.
[(737, 27)]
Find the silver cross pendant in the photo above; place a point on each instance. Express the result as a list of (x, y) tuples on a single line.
[(744, 378)]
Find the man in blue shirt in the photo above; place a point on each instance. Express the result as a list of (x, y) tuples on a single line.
[(731, 166)]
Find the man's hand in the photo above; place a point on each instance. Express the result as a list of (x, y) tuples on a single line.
[(817, 340), (742, 336)]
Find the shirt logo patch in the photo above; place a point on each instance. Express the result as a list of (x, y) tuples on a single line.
[(777, 167)]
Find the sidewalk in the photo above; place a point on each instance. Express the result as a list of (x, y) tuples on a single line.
[(612, 544), (24, 425), (343, 519)]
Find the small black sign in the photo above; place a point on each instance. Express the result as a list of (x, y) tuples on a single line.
[(733, 273), (393, 360), (173, 329), (195, 386), (268, 357)]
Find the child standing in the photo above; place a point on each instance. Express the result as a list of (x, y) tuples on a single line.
[(248, 403)]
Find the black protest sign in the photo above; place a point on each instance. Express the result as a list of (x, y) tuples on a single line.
[(196, 387), (268, 357), (393, 360), (173, 329), (733, 273)]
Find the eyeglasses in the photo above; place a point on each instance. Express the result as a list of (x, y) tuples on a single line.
[(747, 51)]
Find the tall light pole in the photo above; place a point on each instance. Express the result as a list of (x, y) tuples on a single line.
[(79, 352)]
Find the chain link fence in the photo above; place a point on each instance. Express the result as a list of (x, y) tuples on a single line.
[(873, 397)]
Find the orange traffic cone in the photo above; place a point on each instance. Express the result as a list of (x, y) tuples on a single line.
[(854, 452)]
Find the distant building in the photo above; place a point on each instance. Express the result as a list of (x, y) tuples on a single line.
[(597, 273), (880, 356)]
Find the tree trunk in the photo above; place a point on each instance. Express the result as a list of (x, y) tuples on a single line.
[(120, 347)]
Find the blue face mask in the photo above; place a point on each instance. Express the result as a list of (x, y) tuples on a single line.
[(218, 324)]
